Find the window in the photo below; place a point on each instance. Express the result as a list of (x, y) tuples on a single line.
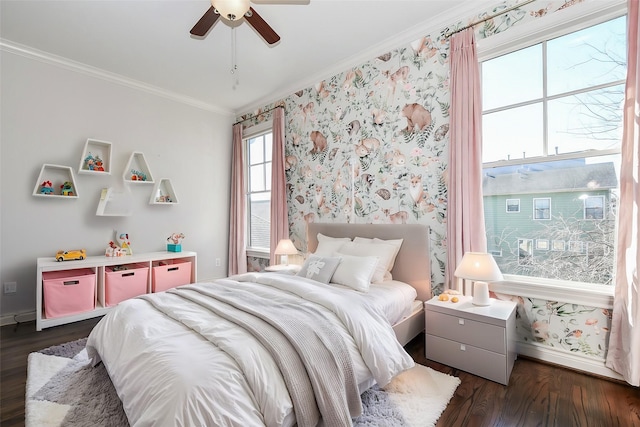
[(593, 207), (258, 163), (525, 250), (542, 208), (575, 246), (552, 126), (542, 244), (513, 205)]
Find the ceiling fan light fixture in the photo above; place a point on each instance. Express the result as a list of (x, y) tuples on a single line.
[(231, 9)]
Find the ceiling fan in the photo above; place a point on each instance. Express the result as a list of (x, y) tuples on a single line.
[(234, 10)]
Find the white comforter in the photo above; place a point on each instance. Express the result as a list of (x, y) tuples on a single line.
[(205, 371)]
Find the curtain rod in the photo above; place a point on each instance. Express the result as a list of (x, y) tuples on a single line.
[(252, 116), (515, 6)]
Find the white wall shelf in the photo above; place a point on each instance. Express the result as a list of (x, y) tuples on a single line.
[(137, 170), (163, 193), (96, 158), (114, 202), (51, 180)]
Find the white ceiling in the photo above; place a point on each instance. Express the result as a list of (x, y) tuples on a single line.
[(148, 41)]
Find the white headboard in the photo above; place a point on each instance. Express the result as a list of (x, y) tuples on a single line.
[(413, 263)]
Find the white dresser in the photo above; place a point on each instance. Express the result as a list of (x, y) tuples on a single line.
[(478, 340)]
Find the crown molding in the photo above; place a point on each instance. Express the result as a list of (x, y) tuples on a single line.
[(429, 26), (78, 67)]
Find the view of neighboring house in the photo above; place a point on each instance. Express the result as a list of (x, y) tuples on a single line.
[(553, 216)]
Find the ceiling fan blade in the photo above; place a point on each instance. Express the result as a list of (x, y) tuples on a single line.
[(280, 1), (205, 23), (261, 27)]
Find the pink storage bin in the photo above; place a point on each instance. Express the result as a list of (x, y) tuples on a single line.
[(174, 272), (68, 292), (120, 285)]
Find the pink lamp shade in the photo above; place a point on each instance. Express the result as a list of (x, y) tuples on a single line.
[(285, 247), (481, 268)]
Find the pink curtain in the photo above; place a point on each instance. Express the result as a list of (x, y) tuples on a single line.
[(623, 355), (237, 215), (279, 212), (465, 215)]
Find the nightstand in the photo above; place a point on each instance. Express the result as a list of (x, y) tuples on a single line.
[(284, 268), (477, 339)]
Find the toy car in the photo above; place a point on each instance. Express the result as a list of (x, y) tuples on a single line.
[(71, 255)]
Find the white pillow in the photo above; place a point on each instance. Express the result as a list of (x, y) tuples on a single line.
[(319, 269), (395, 242), (328, 245), (355, 271), (383, 251)]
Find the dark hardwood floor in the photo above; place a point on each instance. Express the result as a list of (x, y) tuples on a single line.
[(538, 394)]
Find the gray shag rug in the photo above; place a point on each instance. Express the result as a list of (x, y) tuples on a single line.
[(63, 389)]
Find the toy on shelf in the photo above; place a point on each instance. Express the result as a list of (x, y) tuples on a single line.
[(123, 239), (114, 250), (71, 255), (99, 164), (176, 239), (66, 189), (93, 163), (46, 187), (137, 175)]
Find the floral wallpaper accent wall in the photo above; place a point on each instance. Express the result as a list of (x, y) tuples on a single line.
[(370, 145), (563, 326)]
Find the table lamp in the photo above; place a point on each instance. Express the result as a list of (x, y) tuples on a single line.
[(284, 249), (481, 268)]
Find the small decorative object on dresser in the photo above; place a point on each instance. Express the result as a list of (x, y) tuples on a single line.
[(476, 339), (125, 243), (77, 254), (174, 244)]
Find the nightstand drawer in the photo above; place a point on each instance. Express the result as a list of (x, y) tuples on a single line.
[(474, 360), (471, 332)]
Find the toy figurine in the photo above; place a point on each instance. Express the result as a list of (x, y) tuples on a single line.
[(114, 250), (123, 239), (66, 189), (46, 188), (175, 240), (89, 162), (137, 175), (98, 166)]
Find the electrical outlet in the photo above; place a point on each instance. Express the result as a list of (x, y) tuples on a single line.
[(10, 287), (217, 262)]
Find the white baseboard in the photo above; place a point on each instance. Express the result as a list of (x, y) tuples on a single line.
[(12, 319), (581, 363)]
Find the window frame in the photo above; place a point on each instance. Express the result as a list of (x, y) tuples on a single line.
[(251, 133), (584, 207), (544, 209), (527, 34), (542, 244), (506, 206)]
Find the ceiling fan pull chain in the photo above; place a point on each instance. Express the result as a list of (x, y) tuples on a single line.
[(234, 65)]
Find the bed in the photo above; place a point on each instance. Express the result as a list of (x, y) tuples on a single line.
[(267, 348)]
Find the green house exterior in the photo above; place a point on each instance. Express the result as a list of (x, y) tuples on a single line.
[(552, 220)]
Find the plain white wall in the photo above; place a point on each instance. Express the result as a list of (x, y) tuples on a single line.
[(47, 114)]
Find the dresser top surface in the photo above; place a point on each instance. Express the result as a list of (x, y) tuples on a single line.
[(498, 309)]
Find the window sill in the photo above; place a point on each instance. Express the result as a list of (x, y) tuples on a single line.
[(590, 295), (258, 253)]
